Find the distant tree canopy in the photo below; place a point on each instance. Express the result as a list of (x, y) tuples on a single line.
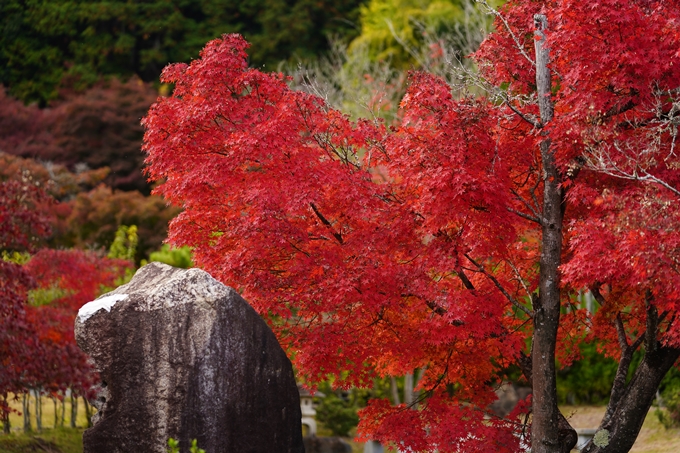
[(95, 129), (387, 26), (395, 31), (45, 43)]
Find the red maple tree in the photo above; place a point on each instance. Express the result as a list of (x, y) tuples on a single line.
[(458, 241), (22, 226), (76, 277), (37, 345)]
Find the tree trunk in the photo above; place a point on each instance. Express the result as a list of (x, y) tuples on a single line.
[(618, 433), (88, 412), (56, 413), (395, 391), (38, 411), (6, 427), (550, 433), (74, 409), (27, 413), (63, 409), (408, 389)]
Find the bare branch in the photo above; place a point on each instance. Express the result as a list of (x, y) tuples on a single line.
[(528, 119), (525, 216), (500, 287), (325, 221), (532, 192), (520, 45), (519, 278)]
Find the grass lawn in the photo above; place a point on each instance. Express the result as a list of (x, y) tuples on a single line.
[(60, 440), (49, 440)]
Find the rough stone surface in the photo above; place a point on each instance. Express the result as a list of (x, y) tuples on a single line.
[(183, 356), (315, 444)]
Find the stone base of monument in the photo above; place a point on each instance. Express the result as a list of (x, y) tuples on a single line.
[(315, 444), (584, 436), (181, 355)]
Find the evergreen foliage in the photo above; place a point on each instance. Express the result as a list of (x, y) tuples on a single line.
[(48, 43), (176, 257), (337, 414)]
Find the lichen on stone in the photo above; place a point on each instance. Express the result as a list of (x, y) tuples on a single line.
[(601, 438)]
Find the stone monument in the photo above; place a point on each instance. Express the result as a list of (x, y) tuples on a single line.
[(182, 356)]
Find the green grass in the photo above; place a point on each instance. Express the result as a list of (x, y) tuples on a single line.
[(60, 440), (48, 419)]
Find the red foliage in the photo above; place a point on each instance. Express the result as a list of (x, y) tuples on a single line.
[(77, 209), (37, 346), (23, 130), (17, 339), (94, 216), (342, 249), (99, 128), (22, 223), (378, 251), (80, 274), (37, 343)]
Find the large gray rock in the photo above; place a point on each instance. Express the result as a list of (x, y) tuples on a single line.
[(180, 355)]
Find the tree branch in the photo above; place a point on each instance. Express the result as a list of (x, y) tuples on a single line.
[(533, 122), (500, 287), (466, 282), (526, 203), (651, 344), (621, 332), (619, 384), (520, 46), (524, 216), (595, 290), (337, 236)]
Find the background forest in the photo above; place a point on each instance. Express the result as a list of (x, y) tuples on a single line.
[(76, 213)]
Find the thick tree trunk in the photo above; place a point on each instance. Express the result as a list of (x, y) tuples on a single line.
[(630, 403), (550, 433)]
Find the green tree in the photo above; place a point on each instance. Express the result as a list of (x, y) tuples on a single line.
[(124, 245), (47, 43), (338, 413), (397, 31), (390, 27), (367, 79), (177, 257)]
